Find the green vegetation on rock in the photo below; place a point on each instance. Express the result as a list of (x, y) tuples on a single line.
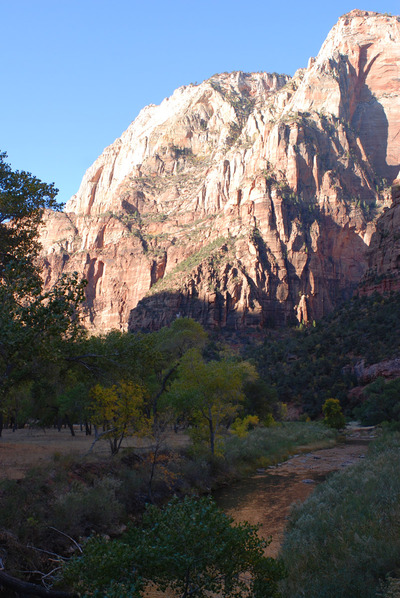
[(309, 365)]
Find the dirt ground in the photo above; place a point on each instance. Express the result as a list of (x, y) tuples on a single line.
[(23, 449)]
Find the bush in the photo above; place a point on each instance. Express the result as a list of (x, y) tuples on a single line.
[(85, 509), (190, 548), (242, 426), (311, 365), (104, 570), (344, 539), (277, 442)]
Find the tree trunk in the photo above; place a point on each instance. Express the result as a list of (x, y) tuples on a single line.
[(152, 472), (212, 431), (70, 426)]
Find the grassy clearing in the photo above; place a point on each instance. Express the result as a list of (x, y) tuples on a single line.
[(343, 541), (267, 446)]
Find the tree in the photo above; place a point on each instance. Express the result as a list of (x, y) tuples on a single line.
[(172, 344), (210, 392), (190, 548), (382, 402), (119, 410), (261, 399), (333, 416), (105, 569), (22, 200), (34, 324)]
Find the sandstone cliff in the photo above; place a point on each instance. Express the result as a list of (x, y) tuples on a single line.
[(247, 200), (383, 273)]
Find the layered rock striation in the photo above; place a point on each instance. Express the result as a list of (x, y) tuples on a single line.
[(383, 273), (247, 200)]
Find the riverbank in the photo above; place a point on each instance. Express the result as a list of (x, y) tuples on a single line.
[(70, 494), (266, 498), (343, 540)]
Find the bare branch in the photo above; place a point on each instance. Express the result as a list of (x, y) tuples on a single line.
[(98, 438), (79, 547), (58, 556)]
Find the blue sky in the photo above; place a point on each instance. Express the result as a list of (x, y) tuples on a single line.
[(75, 73)]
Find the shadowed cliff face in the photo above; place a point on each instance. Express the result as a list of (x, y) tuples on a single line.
[(247, 200), (383, 273)]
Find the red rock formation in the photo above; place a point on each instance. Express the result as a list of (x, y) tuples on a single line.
[(389, 369), (247, 200), (383, 274)]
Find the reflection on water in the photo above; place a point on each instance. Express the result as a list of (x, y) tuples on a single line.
[(265, 500)]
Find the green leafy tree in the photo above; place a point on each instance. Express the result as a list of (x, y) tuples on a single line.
[(173, 343), (190, 548), (105, 569), (150, 360), (73, 405), (34, 324), (211, 392), (261, 399)]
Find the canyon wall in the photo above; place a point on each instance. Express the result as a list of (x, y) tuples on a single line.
[(249, 200), (383, 273)]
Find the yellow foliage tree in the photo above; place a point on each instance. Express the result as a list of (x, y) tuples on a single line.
[(241, 426), (119, 410)]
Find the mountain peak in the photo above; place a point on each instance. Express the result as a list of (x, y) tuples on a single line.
[(247, 200)]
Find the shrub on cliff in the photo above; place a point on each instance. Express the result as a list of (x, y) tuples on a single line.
[(311, 365), (382, 403)]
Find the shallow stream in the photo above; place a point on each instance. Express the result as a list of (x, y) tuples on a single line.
[(265, 499)]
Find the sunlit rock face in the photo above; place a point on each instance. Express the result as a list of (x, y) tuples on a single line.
[(249, 200)]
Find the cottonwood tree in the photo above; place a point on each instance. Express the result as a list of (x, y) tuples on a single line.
[(119, 410), (172, 343), (211, 393)]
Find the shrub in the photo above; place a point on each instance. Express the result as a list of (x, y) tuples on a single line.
[(242, 426), (104, 570), (344, 539), (190, 547), (276, 443), (382, 403), (85, 509)]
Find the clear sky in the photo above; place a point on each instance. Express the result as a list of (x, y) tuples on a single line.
[(75, 73)]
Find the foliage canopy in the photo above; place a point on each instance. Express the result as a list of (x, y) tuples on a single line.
[(189, 547), (34, 323)]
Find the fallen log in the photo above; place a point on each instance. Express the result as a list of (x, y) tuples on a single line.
[(26, 588)]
